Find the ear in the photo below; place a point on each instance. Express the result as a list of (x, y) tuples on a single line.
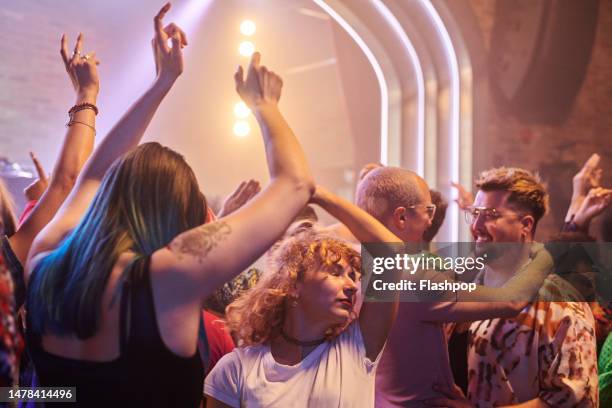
[(399, 218), (528, 222)]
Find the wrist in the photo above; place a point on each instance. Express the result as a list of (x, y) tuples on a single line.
[(263, 107), (581, 222), (87, 96), (164, 82)]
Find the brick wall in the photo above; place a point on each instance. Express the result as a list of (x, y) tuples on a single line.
[(557, 152)]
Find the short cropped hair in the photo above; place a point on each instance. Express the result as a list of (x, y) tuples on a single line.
[(527, 192), (386, 188)]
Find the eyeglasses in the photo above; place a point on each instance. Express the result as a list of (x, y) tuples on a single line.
[(489, 214), (429, 208)]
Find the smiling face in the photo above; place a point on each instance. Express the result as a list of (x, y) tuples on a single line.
[(329, 293), (495, 221)]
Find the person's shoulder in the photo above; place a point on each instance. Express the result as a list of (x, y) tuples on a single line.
[(556, 289)]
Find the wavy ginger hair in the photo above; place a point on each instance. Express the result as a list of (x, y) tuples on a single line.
[(258, 315)]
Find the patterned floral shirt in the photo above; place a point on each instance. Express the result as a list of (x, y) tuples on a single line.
[(548, 351)]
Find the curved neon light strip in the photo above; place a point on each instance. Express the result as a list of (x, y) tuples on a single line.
[(454, 108), (382, 82), (418, 69)]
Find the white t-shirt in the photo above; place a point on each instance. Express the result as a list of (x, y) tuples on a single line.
[(335, 374)]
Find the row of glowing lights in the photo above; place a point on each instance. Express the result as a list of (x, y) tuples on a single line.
[(241, 111)]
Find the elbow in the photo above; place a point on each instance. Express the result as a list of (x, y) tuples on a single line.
[(302, 185)]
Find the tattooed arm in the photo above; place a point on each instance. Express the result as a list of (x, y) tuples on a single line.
[(207, 256)]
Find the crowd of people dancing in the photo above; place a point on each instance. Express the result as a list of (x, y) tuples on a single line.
[(120, 280)]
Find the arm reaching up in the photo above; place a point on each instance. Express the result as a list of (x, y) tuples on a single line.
[(375, 318), (76, 148), (125, 135), (207, 256)]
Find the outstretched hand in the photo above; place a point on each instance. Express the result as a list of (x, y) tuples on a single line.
[(596, 201), (260, 86), (82, 68), (36, 189), (168, 60), (243, 193)]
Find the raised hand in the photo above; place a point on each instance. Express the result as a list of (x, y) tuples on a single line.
[(596, 201), (465, 198), (35, 190), (588, 177), (82, 68), (243, 193), (168, 60), (260, 86)]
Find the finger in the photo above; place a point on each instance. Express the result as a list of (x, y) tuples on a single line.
[(239, 78), (251, 189), (159, 17), (262, 76), (172, 28), (90, 57), (596, 178), (183, 36), (39, 168), (159, 27), (78, 47), (64, 50), (591, 164), (176, 44), (239, 189), (255, 61), (593, 161), (256, 186), (245, 191)]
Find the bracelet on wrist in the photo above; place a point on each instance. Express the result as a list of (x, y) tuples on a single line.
[(72, 122), (81, 106)]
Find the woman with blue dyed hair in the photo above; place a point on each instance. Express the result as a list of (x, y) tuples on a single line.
[(117, 279)]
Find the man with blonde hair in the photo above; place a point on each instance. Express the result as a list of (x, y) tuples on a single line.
[(545, 356)]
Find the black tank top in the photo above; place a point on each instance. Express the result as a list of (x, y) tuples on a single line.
[(146, 373)]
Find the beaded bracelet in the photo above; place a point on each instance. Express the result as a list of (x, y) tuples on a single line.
[(81, 106)]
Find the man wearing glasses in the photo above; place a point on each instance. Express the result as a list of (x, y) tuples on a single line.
[(416, 354), (546, 356)]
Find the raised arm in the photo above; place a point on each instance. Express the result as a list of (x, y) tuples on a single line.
[(201, 259), (76, 147), (375, 318), (125, 135), (522, 287)]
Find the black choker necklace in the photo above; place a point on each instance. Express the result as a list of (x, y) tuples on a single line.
[(297, 342)]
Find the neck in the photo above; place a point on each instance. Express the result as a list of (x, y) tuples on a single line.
[(298, 326)]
